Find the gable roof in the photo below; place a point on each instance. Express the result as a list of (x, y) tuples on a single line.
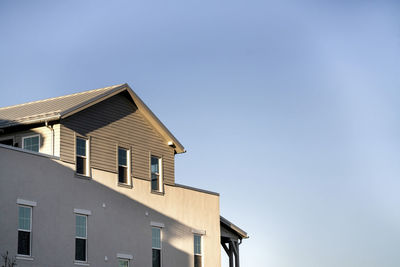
[(64, 106)]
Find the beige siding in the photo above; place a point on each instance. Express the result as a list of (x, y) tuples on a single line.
[(112, 123), (45, 136)]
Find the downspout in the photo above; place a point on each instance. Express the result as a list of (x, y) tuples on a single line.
[(52, 136)]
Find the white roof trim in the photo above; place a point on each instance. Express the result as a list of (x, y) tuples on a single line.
[(85, 212), (26, 202)]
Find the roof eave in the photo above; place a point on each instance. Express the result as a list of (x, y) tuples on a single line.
[(30, 121), (156, 122), (235, 228)]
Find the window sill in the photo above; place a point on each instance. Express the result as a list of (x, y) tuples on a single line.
[(81, 263), (125, 185), (161, 193), (81, 176), (24, 257)]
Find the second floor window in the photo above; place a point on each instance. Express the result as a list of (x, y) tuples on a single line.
[(156, 176), (123, 170), (31, 143), (82, 166), (156, 246), (81, 237), (197, 251), (24, 230)]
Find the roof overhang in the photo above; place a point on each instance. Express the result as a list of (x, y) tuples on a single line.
[(229, 226)]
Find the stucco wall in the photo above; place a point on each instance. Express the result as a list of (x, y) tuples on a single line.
[(121, 225)]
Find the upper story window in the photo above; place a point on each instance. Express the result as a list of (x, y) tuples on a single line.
[(198, 256), (31, 143), (156, 174), (156, 246), (123, 263), (24, 230), (81, 238), (123, 165), (82, 153)]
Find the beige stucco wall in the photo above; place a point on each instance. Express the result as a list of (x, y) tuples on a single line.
[(120, 221)]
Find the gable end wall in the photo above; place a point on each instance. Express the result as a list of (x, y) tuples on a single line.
[(111, 123)]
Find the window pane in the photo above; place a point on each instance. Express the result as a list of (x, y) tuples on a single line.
[(154, 165), (197, 261), (122, 174), (24, 218), (80, 147), (154, 182), (122, 157), (197, 244), (123, 263), (80, 226), (81, 165), (156, 237), (32, 143), (24, 242), (156, 258), (80, 249)]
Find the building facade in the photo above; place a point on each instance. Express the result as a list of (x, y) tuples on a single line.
[(88, 180)]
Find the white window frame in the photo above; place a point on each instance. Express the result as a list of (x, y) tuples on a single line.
[(85, 238), (24, 230), (201, 248), (128, 167), (30, 136), (124, 257), (87, 157), (160, 174), (161, 244)]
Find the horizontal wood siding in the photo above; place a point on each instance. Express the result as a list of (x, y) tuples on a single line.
[(67, 144), (117, 122)]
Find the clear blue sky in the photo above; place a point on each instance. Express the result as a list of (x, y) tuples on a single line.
[(289, 109)]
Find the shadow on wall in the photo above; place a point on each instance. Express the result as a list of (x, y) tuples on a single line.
[(118, 224), (102, 114), (15, 136)]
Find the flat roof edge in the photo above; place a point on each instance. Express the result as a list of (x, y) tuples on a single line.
[(29, 152), (197, 189)]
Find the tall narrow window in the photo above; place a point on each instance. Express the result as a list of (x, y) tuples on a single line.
[(24, 230), (123, 169), (156, 246), (123, 263), (81, 237), (198, 257), (156, 175), (31, 143), (82, 166)]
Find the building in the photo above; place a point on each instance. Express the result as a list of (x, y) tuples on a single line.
[(88, 180)]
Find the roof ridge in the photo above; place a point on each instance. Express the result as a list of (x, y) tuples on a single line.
[(58, 97)]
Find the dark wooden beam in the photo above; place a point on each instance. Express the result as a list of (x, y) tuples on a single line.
[(225, 248)]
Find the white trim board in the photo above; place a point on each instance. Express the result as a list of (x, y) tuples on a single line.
[(26, 202), (157, 224), (199, 232), (81, 211), (124, 256)]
